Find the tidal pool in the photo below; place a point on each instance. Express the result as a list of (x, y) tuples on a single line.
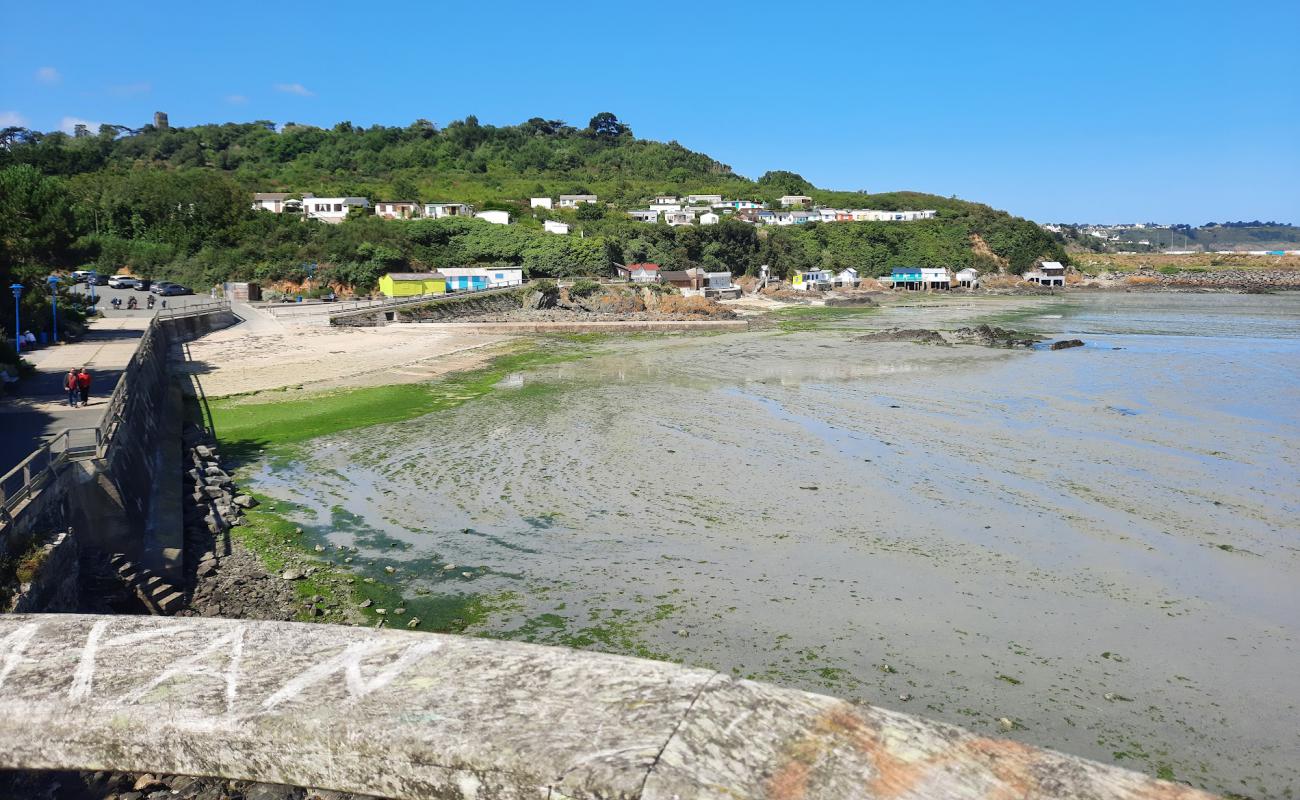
[(1101, 545)]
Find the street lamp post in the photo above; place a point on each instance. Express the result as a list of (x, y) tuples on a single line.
[(53, 280), (17, 289)]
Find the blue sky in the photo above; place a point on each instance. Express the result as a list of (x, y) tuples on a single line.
[(1104, 112)]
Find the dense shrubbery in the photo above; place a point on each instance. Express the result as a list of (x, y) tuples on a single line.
[(176, 203)]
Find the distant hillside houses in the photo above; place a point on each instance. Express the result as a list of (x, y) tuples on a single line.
[(694, 209)]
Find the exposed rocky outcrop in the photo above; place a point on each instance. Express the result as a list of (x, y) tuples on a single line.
[(983, 335)]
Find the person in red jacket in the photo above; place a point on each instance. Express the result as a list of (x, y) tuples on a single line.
[(72, 386), (83, 386)]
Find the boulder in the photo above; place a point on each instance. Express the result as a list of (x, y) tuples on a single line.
[(245, 501)]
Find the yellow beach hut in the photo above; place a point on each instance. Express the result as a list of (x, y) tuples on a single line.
[(412, 284)]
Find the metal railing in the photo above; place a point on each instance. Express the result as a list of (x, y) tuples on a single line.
[(20, 483)]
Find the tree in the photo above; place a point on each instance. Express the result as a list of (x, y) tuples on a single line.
[(405, 189), (783, 182), (590, 211), (36, 222), (607, 126)]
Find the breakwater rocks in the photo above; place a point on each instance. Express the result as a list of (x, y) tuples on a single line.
[(983, 335), (1242, 280), (229, 580)]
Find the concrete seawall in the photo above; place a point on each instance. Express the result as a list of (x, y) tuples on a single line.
[(125, 498), (410, 715)]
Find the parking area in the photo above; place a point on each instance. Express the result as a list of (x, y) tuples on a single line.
[(105, 296)]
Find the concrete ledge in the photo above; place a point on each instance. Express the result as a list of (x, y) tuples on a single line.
[(409, 715)]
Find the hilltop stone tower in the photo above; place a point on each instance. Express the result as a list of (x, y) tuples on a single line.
[(160, 120)]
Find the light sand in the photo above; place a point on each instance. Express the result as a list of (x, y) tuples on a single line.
[(262, 353)]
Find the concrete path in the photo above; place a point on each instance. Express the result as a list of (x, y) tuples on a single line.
[(37, 406)]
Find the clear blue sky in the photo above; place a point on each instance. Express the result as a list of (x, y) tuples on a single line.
[(1105, 112)]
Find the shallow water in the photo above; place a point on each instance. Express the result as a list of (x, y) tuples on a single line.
[(1100, 544)]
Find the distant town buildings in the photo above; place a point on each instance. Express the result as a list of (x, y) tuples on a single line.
[(575, 200), (790, 200), (440, 210)]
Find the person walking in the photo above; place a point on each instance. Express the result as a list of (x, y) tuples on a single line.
[(72, 385), (83, 386)]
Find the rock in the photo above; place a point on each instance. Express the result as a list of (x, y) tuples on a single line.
[(918, 335), (381, 611), (245, 501), (367, 603), (683, 633), (390, 570), (467, 574), (320, 548), (206, 568), (292, 575), (1006, 724), (1065, 344), (203, 450), (399, 611), (414, 623), (904, 697), (148, 782), (214, 491), (849, 300), (449, 567)]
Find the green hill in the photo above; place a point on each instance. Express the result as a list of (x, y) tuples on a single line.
[(176, 203)]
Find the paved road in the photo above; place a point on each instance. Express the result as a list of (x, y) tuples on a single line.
[(37, 408), (106, 295)]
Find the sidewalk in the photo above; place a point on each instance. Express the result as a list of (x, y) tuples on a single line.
[(37, 407)]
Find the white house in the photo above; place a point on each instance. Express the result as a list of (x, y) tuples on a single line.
[(1050, 273), (495, 217), (709, 218), (332, 209), (811, 279), (644, 215), (440, 210), (706, 199), (539, 202), (639, 273), (555, 226), (968, 278), (575, 200), (847, 278), (668, 199), (718, 284), (397, 209), (678, 217), (269, 201), (795, 200), (665, 207), (935, 278)]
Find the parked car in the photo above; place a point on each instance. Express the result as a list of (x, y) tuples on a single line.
[(173, 289), (158, 286), (97, 279), (79, 276), (121, 282), (142, 284)]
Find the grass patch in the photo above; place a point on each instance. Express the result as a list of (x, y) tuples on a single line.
[(246, 424)]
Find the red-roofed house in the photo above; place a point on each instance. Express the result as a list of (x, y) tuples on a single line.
[(639, 273)]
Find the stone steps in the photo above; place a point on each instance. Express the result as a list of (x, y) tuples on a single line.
[(157, 595)]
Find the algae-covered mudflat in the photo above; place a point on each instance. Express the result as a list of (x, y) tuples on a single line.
[(1096, 548)]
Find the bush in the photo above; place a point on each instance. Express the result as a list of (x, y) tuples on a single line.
[(545, 286), (584, 287)]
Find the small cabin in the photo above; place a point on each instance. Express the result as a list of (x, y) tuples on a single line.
[(847, 279), (1050, 273), (905, 278), (968, 278), (809, 280), (412, 284)]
